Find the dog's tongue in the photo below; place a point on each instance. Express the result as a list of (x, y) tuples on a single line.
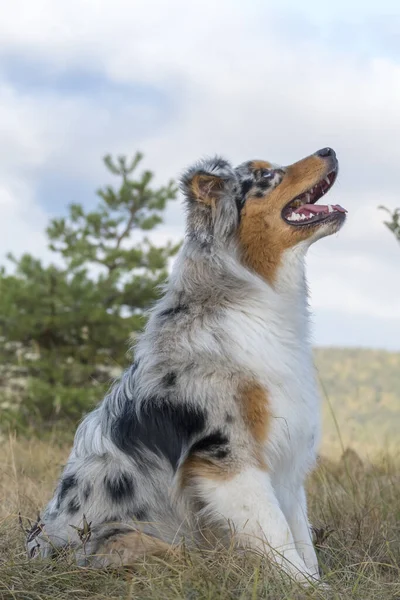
[(316, 209)]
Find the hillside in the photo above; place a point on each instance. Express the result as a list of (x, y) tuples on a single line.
[(362, 388)]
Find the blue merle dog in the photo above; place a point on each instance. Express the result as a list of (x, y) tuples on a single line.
[(215, 426)]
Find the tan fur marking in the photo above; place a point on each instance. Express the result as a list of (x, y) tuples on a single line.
[(263, 234), (262, 250), (196, 466), (127, 548), (260, 164), (256, 415), (255, 411)]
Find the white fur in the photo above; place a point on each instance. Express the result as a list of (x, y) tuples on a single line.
[(269, 335), (250, 505)]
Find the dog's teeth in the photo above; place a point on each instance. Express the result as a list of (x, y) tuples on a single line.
[(327, 180), (330, 208), (300, 217)]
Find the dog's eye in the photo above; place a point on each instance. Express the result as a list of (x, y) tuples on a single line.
[(267, 174)]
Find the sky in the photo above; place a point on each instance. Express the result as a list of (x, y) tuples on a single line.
[(181, 80)]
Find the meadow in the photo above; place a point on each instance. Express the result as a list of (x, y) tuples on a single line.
[(354, 506), (361, 400), (354, 500)]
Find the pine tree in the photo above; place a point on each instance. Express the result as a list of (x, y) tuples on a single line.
[(65, 327)]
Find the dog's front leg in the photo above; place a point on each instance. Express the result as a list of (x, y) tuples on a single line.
[(247, 502), (294, 504)]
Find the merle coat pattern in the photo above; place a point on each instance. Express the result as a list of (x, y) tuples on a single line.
[(217, 420)]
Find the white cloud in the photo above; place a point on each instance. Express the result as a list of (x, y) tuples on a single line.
[(22, 221), (237, 85)]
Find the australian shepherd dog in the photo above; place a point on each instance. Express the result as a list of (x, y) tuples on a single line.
[(216, 424)]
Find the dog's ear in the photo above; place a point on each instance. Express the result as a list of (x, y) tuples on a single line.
[(206, 188), (207, 181)]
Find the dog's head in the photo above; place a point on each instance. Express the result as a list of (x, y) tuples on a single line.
[(265, 208)]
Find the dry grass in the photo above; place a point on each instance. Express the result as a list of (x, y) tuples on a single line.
[(355, 507)]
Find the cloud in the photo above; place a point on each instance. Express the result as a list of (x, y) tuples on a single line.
[(178, 82), (22, 221)]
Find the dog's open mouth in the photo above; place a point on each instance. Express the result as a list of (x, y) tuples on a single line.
[(302, 210)]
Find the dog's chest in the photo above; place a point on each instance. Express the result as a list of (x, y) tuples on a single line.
[(279, 357), (294, 431)]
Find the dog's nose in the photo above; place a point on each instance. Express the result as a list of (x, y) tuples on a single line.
[(326, 153)]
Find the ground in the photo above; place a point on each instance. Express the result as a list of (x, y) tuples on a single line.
[(354, 506)]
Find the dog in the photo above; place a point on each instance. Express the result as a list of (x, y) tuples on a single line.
[(216, 424)]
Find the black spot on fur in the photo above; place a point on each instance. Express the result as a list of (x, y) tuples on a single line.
[(240, 197), (87, 490), (119, 487), (140, 514), (175, 310), (73, 506), (162, 428), (214, 444), (169, 379), (68, 483), (222, 453), (229, 418), (259, 194), (264, 184), (245, 187)]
